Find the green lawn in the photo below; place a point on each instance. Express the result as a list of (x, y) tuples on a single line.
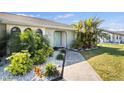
[(108, 61)]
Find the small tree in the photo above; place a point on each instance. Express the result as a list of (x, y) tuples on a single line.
[(33, 41)]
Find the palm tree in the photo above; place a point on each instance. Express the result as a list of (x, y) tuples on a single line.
[(89, 32), (78, 28), (92, 30)]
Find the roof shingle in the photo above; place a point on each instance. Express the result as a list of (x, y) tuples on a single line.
[(31, 21), (115, 32)]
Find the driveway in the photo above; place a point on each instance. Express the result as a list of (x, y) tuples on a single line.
[(77, 69)]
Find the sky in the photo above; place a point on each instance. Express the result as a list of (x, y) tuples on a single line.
[(112, 20)]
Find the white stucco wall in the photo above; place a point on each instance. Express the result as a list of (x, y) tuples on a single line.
[(64, 39), (70, 38), (50, 34), (2, 31), (67, 36)]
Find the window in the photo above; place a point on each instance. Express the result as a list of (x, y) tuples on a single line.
[(15, 30), (39, 31), (28, 29)]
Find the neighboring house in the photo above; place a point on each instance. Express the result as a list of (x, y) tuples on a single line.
[(114, 37), (59, 34)]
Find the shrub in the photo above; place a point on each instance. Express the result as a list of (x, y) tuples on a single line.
[(63, 51), (34, 42), (50, 51), (40, 56), (2, 47), (2, 53), (1, 62), (76, 44), (28, 41), (60, 57), (51, 70), (20, 63), (14, 43)]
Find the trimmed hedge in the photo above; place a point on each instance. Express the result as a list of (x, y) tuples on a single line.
[(60, 57)]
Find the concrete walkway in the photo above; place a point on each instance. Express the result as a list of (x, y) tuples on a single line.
[(77, 69), (73, 57)]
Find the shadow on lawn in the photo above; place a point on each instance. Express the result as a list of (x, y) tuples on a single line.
[(102, 50)]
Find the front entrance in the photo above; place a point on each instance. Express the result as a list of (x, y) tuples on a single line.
[(58, 39)]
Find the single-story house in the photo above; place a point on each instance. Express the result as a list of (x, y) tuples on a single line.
[(114, 37), (59, 34)]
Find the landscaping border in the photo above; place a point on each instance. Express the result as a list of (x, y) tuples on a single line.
[(62, 71)]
